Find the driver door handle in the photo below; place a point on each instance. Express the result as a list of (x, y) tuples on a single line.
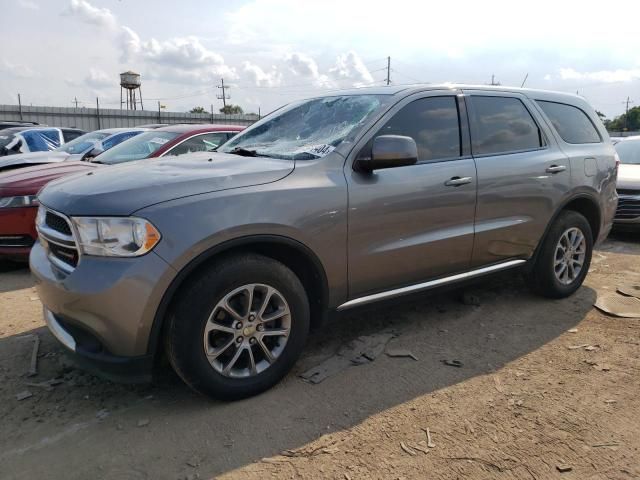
[(556, 169), (457, 181)]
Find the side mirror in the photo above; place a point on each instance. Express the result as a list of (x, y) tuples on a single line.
[(390, 151), (93, 153)]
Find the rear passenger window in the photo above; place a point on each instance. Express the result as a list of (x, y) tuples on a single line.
[(502, 125), (571, 123), (433, 124)]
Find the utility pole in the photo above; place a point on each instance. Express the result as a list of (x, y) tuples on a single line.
[(98, 112), (388, 70), (626, 114), (525, 80), (75, 100), (224, 97), (493, 81), (20, 106)]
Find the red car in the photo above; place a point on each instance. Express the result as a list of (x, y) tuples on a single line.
[(19, 188)]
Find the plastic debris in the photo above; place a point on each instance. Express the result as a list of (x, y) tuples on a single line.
[(400, 352), (452, 363), (143, 422), (573, 330), (33, 367), (410, 451), (362, 350), (630, 290), (619, 305), (577, 347), (23, 395), (430, 443), (563, 468)]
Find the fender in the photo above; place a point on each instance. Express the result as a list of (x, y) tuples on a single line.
[(575, 196), (178, 280)]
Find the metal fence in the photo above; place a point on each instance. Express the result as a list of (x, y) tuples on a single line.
[(624, 134), (96, 118)]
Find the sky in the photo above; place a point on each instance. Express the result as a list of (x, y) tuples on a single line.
[(271, 52)]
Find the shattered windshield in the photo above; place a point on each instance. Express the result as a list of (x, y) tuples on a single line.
[(306, 130)]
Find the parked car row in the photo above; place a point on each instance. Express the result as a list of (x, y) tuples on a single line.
[(222, 262), (19, 186)]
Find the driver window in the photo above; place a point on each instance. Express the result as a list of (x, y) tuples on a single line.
[(432, 122)]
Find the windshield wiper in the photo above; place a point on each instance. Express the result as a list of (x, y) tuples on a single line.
[(244, 152)]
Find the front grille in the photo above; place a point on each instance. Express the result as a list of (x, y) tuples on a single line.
[(57, 238), (628, 207), (17, 241), (626, 191), (64, 254), (57, 223)]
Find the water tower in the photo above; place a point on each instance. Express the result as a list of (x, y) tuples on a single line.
[(130, 81)]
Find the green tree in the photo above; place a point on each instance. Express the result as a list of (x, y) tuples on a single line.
[(231, 109), (629, 121), (197, 110)]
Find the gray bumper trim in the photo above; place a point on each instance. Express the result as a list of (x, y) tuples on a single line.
[(59, 332)]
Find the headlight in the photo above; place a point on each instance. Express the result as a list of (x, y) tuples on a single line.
[(20, 201), (115, 237)]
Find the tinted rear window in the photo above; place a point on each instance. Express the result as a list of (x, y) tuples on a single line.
[(502, 125), (571, 123)]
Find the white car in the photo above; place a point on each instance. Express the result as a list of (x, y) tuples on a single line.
[(628, 186), (84, 147)]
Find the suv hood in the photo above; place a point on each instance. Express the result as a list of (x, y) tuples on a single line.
[(27, 181), (123, 189), (26, 159), (628, 177)]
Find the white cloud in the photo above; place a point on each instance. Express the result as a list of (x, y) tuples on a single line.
[(261, 78), (604, 76), (16, 70), (302, 65), (101, 17), (98, 79), (28, 5), (350, 67)]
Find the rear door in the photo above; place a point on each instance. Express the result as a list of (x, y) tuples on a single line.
[(413, 223), (522, 175)]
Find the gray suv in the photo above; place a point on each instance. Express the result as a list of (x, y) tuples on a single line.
[(224, 262)]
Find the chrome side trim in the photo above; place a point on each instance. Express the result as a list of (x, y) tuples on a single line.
[(59, 332), (65, 267), (427, 285)]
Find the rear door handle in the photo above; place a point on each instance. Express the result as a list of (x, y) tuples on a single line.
[(457, 181), (556, 169)]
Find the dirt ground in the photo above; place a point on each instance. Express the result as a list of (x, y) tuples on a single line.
[(523, 404)]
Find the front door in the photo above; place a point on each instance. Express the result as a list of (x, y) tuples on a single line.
[(414, 223)]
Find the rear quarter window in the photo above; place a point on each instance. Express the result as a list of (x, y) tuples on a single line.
[(572, 124)]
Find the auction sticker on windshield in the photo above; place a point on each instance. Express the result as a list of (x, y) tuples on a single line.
[(320, 150), (158, 140)]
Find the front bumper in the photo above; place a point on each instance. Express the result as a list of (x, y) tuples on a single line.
[(17, 232), (628, 210), (112, 367), (104, 309)]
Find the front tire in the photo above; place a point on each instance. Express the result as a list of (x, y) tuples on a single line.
[(238, 327), (564, 257)]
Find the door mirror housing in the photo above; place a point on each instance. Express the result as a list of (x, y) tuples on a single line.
[(389, 151), (93, 153)]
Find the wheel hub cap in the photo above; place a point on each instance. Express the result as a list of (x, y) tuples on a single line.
[(247, 330), (570, 255)]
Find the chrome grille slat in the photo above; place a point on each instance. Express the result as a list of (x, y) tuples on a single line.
[(628, 205), (56, 235)]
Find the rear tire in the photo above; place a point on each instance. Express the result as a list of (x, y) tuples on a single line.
[(220, 339), (563, 261)]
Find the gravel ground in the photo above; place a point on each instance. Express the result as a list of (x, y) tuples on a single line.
[(545, 389)]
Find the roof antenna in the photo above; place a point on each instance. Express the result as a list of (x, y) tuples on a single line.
[(525, 80)]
